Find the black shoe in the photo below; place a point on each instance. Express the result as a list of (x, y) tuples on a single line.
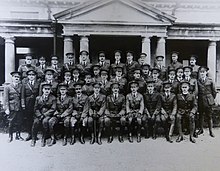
[(130, 138), (138, 138), (99, 141), (10, 139), (43, 143), (82, 141), (154, 137), (52, 142), (110, 139), (195, 135), (18, 137), (64, 142), (179, 139), (192, 139), (92, 141), (200, 132), (120, 139), (211, 134), (33, 142), (169, 139), (72, 141), (28, 138)]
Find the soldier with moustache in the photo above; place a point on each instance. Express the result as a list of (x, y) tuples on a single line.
[(137, 77), (102, 61), (87, 88), (13, 106), (146, 72), (84, 64), (56, 67), (41, 68), (174, 61)]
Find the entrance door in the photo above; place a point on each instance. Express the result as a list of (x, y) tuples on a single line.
[(109, 44)]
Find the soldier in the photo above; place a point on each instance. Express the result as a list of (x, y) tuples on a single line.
[(137, 77), (76, 75), (41, 68), (194, 66), (179, 74), (96, 73), (130, 65), (155, 73), (206, 96), (27, 66), (173, 81), (30, 91), (186, 110), (63, 114), (152, 102), (105, 84), (93, 112), (159, 65), (134, 110), (102, 61), (70, 64), (56, 68), (44, 109), (79, 101), (12, 105), (145, 72), (142, 58), (49, 79), (115, 111), (68, 81), (174, 61), (84, 65), (122, 81), (117, 63), (168, 109), (88, 87)]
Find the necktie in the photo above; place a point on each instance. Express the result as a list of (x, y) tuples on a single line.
[(62, 99)]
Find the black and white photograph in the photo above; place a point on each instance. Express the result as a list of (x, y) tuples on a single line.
[(109, 85)]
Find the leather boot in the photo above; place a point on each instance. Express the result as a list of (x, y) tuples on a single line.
[(179, 139), (29, 137), (92, 141), (53, 141), (10, 138), (130, 138), (200, 132), (82, 141), (192, 139), (64, 141), (99, 140), (154, 136), (33, 142), (18, 136), (120, 137), (110, 137), (210, 128), (169, 139), (73, 140), (138, 137)]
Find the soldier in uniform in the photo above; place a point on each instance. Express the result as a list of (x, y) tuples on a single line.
[(93, 113), (186, 110), (130, 65), (194, 66), (206, 96), (134, 110), (84, 65), (12, 105), (79, 101), (145, 72), (179, 74), (70, 64), (173, 81), (56, 68), (41, 68), (155, 73), (63, 113), (96, 73), (30, 91), (168, 109), (68, 81), (159, 65), (102, 61), (88, 87), (115, 111), (44, 109), (76, 75), (174, 61), (137, 77), (105, 84), (141, 60), (27, 66), (152, 102)]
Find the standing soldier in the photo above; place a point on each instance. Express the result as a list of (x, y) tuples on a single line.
[(88, 87), (137, 77), (44, 109), (55, 66), (159, 65), (96, 73), (130, 65), (27, 66), (115, 111), (102, 61), (93, 112), (174, 61), (134, 110), (173, 81), (79, 101), (76, 75), (70, 64), (145, 72), (206, 96), (41, 68), (63, 113), (186, 110), (194, 66), (168, 109), (68, 81), (155, 73), (84, 64), (30, 91), (12, 105), (105, 84), (142, 58)]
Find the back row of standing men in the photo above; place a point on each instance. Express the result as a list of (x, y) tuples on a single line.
[(98, 95)]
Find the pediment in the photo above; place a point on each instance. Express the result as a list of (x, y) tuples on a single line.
[(114, 11)]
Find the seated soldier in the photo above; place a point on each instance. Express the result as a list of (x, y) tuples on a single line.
[(79, 101), (44, 108), (56, 67), (62, 114), (105, 84), (134, 110), (137, 77), (96, 73), (145, 72), (115, 111), (49, 79), (68, 81), (93, 112), (84, 64), (186, 110), (118, 78), (168, 109), (155, 73), (152, 104), (88, 87)]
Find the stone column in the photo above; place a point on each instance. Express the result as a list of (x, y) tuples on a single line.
[(211, 59), (84, 43), (146, 49), (9, 57), (68, 46), (161, 48)]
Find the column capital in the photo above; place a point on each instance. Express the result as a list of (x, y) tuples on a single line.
[(212, 43), (145, 39), (9, 39), (68, 39)]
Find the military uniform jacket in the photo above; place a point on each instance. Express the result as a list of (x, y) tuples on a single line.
[(58, 70), (45, 107), (195, 70), (68, 67), (24, 68), (175, 86), (152, 103), (115, 106), (54, 88), (134, 104), (142, 85), (207, 92), (122, 83), (96, 79), (105, 87), (175, 65), (106, 65), (163, 72), (64, 107), (78, 104), (94, 105), (12, 97), (114, 65), (193, 86), (186, 104), (40, 71), (87, 89), (71, 90), (83, 68), (168, 104), (129, 68)]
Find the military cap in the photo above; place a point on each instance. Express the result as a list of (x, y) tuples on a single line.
[(137, 70), (155, 69), (174, 52), (179, 69), (193, 57), (103, 71), (96, 66), (15, 73), (184, 82), (150, 81), (96, 83), (203, 68), (49, 70), (69, 53), (119, 68), (80, 83), (62, 85), (187, 67), (130, 52), (75, 69), (87, 73), (114, 84), (46, 85), (171, 70), (67, 72), (42, 58), (145, 66), (54, 57), (160, 56), (167, 83), (101, 52), (143, 54), (133, 82), (117, 51), (87, 53), (31, 71)]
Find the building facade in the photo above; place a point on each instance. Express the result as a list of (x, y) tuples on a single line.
[(155, 27)]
